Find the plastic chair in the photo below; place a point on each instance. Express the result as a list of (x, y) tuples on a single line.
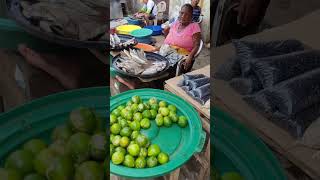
[(178, 71), (161, 7)]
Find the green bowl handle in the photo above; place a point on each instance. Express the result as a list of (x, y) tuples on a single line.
[(202, 141)]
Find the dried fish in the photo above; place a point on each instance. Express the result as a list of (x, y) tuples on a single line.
[(272, 70)]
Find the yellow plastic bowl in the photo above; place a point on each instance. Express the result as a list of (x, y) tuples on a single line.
[(127, 29)]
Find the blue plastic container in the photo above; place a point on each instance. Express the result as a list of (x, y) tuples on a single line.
[(156, 30), (142, 35), (134, 21)]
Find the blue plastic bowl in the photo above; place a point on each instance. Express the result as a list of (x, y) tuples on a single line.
[(133, 21), (157, 30)]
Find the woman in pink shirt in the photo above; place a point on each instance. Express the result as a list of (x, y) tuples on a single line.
[(185, 34)]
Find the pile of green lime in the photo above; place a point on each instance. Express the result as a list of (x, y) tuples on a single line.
[(78, 151), (225, 176), (131, 148)]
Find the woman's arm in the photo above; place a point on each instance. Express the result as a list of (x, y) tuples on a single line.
[(166, 31), (196, 44)]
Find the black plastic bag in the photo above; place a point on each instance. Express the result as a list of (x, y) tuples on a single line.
[(245, 86)]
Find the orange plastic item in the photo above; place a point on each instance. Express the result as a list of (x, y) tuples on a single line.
[(145, 47)]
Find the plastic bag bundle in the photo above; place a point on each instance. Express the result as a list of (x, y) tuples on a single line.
[(228, 70), (197, 86), (245, 86), (247, 51), (261, 103), (272, 70), (193, 84), (296, 94)]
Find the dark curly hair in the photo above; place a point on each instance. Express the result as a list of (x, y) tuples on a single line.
[(188, 6)]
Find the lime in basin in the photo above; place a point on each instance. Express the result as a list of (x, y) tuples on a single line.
[(38, 119), (173, 143), (237, 151)]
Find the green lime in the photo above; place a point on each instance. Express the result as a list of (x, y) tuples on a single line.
[(116, 112), (126, 131), (128, 161), (172, 108), (152, 162), (111, 137), (133, 149), (101, 124), (98, 146), (21, 160), (129, 103), (153, 100), (153, 114), (231, 176), (90, 170), (146, 105), (163, 158), (153, 150), (123, 123), (137, 116), (83, 120), (145, 123), (135, 125), (159, 116), (124, 142), (160, 109), (141, 107), (121, 149), (35, 146), (78, 147), (129, 109), (164, 111), (134, 135), (115, 128), (167, 121), (154, 107), (61, 169), (120, 107), (143, 152), (116, 140), (134, 107), (124, 113), (142, 140), (140, 162), (62, 132), (159, 121), (113, 119), (129, 116), (162, 104), (10, 174), (58, 147), (174, 118), (117, 158), (146, 114), (132, 142), (34, 177), (182, 122), (43, 161), (136, 99)]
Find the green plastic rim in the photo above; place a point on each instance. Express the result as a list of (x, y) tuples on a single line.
[(37, 118), (235, 148), (179, 143)]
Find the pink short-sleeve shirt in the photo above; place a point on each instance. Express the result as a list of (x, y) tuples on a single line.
[(182, 39)]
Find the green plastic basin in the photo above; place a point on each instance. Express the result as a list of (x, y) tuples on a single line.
[(235, 148), (37, 118), (179, 143)]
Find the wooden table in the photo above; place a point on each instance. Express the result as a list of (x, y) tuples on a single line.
[(306, 159), (202, 158)]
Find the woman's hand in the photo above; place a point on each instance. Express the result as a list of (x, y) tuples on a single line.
[(187, 64)]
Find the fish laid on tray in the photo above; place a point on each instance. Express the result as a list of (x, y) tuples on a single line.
[(135, 62), (77, 19), (115, 42)]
